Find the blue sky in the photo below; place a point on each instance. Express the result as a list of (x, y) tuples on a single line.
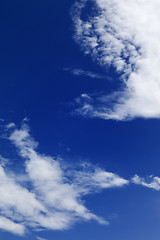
[(79, 110)]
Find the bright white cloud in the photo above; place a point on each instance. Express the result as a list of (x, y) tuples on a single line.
[(48, 196), (151, 182), (124, 34), (10, 226), (95, 179)]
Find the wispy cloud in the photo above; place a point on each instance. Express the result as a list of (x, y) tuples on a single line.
[(151, 182), (51, 196), (81, 72), (10, 125), (39, 238), (125, 35), (3, 161)]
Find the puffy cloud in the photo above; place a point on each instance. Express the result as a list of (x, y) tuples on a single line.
[(125, 35), (49, 195), (9, 225)]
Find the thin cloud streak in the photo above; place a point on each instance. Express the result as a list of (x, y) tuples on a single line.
[(39, 238), (81, 72), (123, 34)]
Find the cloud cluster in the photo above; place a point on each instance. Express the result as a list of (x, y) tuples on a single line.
[(52, 195), (125, 35)]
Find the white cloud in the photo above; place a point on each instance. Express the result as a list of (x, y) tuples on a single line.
[(48, 196), (151, 182), (39, 238), (3, 161), (81, 72), (94, 179), (10, 125), (9, 225), (124, 34)]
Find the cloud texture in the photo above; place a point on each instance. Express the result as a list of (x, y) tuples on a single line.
[(81, 72), (125, 35), (152, 182), (49, 195)]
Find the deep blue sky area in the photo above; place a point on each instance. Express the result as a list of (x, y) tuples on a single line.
[(36, 45)]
